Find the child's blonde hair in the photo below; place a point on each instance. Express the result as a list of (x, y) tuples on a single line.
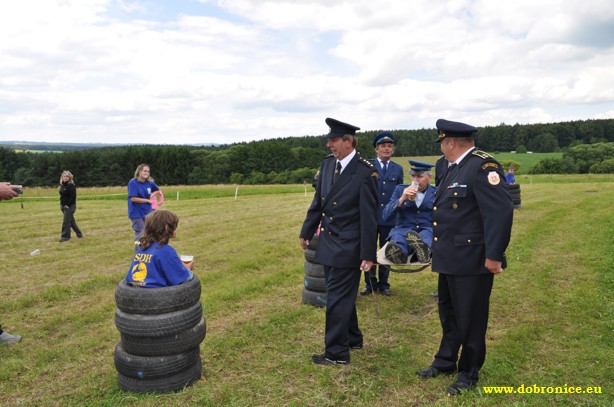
[(159, 227)]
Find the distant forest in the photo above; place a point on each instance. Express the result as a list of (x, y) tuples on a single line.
[(275, 161)]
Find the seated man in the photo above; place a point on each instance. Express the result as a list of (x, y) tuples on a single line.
[(413, 207)]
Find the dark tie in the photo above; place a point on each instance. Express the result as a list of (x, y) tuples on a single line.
[(337, 171), (385, 167), (450, 168)]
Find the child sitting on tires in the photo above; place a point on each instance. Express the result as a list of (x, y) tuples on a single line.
[(156, 263)]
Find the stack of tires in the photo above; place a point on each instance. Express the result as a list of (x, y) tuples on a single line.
[(161, 331), (514, 190), (314, 291)]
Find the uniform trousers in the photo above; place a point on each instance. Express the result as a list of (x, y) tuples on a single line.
[(463, 302), (341, 317), (383, 272)]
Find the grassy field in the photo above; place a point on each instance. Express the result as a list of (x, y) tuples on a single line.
[(551, 314)]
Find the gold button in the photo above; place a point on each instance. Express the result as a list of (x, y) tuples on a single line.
[(434, 208), (434, 223), (331, 218), (381, 204), (323, 213), (334, 203), (321, 229), (435, 239), (468, 240), (456, 193)]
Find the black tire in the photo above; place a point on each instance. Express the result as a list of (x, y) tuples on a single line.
[(514, 193), (180, 342), (150, 367), (162, 384), (314, 269), (315, 284), (146, 301), (159, 324), (313, 298), (512, 187), (313, 243), (310, 255)]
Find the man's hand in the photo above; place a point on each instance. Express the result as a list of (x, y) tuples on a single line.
[(493, 266), (304, 243), (366, 265), (6, 191)]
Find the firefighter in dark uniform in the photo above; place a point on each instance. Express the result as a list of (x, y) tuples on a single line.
[(344, 207), (472, 223), (390, 174)]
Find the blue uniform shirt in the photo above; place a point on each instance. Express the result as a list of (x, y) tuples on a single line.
[(140, 190), (386, 183), (158, 266)]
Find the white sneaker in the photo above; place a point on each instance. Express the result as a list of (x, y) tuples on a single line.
[(6, 338)]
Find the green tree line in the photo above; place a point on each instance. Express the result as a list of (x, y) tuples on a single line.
[(295, 159)]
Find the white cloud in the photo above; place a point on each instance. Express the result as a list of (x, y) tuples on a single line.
[(119, 71)]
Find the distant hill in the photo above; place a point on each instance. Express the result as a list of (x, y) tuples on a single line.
[(57, 147)]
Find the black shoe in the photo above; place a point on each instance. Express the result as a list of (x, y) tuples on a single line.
[(457, 387), (430, 372), (63, 240), (385, 292), (366, 291), (395, 254), (420, 248), (323, 360), (80, 236), (356, 347)]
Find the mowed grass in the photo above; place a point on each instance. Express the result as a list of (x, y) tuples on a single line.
[(551, 318)]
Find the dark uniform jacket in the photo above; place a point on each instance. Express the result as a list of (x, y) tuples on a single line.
[(472, 216), (347, 212), (441, 166), (386, 185)]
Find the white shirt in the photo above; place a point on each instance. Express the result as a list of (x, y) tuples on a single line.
[(346, 160)]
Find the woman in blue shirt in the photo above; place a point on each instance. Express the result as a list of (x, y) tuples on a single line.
[(141, 191), (156, 263)]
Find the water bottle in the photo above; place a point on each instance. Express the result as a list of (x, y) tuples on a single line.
[(35, 252)]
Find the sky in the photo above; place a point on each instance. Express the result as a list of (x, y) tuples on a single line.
[(226, 71)]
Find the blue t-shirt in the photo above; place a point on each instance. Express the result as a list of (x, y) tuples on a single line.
[(510, 178), (158, 266), (140, 190)]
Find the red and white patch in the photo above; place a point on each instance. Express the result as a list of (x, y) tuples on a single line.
[(493, 178)]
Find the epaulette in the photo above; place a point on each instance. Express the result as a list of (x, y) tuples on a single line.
[(366, 162), (482, 154)]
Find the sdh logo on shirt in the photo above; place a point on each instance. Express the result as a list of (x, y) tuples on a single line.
[(139, 271)]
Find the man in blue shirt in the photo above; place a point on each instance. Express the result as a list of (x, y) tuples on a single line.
[(390, 174), (412, 207)]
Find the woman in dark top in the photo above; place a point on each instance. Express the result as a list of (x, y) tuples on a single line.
[(68, 205)]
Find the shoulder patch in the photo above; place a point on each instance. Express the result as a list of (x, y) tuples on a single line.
[(493, 178), (482, 154), (491, 164)]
